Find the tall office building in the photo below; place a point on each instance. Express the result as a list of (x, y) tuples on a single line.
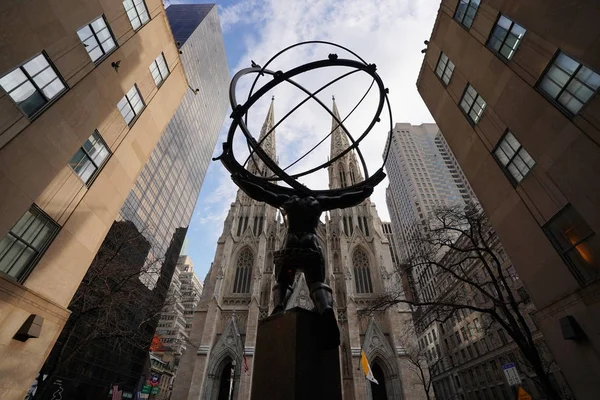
[(166, 191), (423, 175), (237, 294), (160, 205), (390, 235), (80, 113), (175, 322), (513, 87)]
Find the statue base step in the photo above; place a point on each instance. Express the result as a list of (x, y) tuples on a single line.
[(290, 362)]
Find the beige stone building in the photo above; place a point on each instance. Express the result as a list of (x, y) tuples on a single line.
[(86, 88), (513, 87), (237, 294)]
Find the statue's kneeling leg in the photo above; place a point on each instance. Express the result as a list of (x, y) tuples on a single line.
[(281, 294), (322, 297)]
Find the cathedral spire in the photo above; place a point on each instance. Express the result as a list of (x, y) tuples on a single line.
[(344, 172), (267, 143), (339, 140)]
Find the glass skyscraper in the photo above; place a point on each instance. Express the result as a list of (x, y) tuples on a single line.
[(166, 190)]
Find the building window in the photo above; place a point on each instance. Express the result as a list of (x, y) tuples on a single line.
[(25, 243), (243, 272), (159, 69), (342, 178), (568, 83), (465, 12), (502, 337), (463, 331), (576, 242), (33, 85), (130, 105), (457, 337), (513, 157), (512, 273), (97, 38), (360, 262), (472, 104), (137, 12), (506, 37), (444, 68), (90, 158), (524, 295)]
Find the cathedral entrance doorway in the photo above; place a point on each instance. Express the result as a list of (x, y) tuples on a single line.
[(225, 381), (378, 390)]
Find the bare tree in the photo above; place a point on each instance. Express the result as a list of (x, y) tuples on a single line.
[(460, 250), (112, 306), (421, 360)]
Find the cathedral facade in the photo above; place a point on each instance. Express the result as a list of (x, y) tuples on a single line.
[(238, 294)]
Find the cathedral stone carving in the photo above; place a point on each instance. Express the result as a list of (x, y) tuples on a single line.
[(301, 295)]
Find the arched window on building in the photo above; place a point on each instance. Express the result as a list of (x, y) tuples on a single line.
[(342, 177), (352, 177), (243, 272), (225, 381), (362, 274), (239, 227)]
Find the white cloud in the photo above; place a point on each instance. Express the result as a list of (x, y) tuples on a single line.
[(387, 33), (244, 12)]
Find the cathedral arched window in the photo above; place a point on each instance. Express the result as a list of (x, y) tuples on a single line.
[(243, 272), (342, 177), (352, 177), (362, 274), (363, 224), (240, 224)]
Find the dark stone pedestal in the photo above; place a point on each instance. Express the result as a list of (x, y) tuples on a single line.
[(289, 362)]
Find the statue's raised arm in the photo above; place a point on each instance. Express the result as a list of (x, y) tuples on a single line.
[(345, 200), (351, 198), (258, 193)]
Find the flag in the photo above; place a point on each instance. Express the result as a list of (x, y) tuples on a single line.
[(367, 368)]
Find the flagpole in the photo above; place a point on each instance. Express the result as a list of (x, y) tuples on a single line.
[(231, 380)]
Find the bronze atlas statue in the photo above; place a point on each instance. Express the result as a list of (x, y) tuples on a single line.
[(302, 206)]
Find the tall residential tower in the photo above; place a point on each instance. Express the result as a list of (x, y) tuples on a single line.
[(423, 175), (175, 324)]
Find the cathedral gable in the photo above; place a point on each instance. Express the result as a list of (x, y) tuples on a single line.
[(376, 344)]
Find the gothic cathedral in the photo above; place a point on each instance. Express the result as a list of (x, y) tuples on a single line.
[(237, 294)]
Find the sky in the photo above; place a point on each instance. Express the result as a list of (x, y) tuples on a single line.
[(388, 33)]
